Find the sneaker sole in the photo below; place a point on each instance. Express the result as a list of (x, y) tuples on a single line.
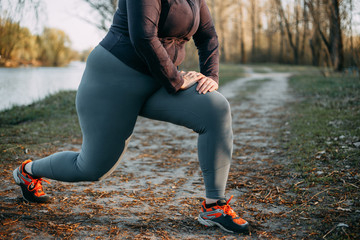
[(210, 223), (18, 182), (16, 177)]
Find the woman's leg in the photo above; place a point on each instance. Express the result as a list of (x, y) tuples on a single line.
[(108, 102), (210, 116)]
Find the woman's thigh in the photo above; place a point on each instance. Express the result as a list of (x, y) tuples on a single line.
[(200, 112), (108, 102), (207, 114)]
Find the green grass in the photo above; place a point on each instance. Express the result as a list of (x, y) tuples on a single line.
[(39, 127), (263, 68), (230, 72), (323, 125), (227, 72), (326, 118), (54, 106)]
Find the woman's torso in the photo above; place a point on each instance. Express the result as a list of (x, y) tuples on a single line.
[(179, 20)]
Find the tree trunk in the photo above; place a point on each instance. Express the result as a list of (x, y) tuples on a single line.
[(242, 42), (297, 33), (253, 27), (221, 22), (293, 45), (336, 44), (271, 29), (315, 46), (282, 42), (305, 32)]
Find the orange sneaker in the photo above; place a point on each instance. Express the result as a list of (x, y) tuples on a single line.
[(222, 215), (31, 187)]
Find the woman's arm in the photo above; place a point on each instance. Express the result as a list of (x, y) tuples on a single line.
[(207, 44), (143, 19)]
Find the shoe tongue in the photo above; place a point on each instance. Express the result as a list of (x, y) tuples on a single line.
[(221, 202)]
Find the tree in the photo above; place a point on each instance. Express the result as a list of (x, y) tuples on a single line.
[(294, 43), (242, 31), (9, 37), (333, 42), (272, 28), (20, 9), (259, 31), (54, 47), (336, 42), (305, 31), (253, 13), (26, 49), (103, 12)]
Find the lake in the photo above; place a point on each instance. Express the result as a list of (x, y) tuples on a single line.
[(23, 86)]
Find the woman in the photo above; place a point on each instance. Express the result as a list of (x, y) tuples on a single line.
[(134, 72)]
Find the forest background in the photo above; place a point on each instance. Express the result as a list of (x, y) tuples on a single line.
[(320, 33)]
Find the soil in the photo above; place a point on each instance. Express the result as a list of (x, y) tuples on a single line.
[(156, 191)]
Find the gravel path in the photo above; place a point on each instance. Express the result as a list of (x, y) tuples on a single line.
[(156, 191)]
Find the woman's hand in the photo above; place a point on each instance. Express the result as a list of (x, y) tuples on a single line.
[(190, 78), (206, 84)]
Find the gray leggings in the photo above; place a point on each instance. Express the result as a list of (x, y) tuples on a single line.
[(110, 97)]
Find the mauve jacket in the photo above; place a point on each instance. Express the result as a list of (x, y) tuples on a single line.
[(150, 36)]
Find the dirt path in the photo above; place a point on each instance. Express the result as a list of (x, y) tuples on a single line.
[(156, 191)]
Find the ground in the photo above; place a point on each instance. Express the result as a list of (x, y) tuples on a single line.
[(156, 191)]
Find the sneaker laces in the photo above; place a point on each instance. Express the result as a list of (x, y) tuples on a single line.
[(228, 210), (36, 185)]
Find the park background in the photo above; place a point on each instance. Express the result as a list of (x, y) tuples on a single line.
[(319, 33), (303, 183)]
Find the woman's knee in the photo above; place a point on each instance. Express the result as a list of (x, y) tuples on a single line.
[(218, 111), (93, 175), (96, 168), (214, 114), (223, 106)]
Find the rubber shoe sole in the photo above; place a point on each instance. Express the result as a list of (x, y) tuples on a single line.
[(25, 192), (209, 223)]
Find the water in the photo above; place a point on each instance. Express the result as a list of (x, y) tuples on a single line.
[(23, 86)]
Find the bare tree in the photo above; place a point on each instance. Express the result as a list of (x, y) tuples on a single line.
[(253, 12), (315, 40), (20, 9), (351, 31), (336, 42), (294, 45), (11, 14), (103, 11), (305, 31), (272, 29), (306, 28), (333, 43), (240, 15)]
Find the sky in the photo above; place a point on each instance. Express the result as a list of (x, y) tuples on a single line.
[(63, 14)]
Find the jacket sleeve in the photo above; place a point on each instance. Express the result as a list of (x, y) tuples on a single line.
[(206, 41), (143, 19)]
